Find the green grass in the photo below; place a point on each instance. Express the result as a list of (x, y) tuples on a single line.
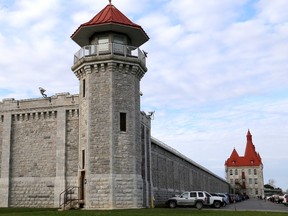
[(136, 212)]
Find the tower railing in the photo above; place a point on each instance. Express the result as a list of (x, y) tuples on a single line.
[(110, 49)]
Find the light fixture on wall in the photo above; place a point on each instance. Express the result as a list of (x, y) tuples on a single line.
[(151, 115), (42, 92)]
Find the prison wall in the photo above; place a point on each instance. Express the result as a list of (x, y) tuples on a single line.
[(174, 173), (39, 145)]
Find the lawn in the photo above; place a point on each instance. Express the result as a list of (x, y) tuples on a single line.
[(136, 212)]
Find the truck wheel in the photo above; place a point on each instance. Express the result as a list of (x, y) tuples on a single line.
[(217, 204), (172, 204), (199, 205)]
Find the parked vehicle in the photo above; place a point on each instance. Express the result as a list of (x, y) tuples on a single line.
[(196, 199), (285, 199), (225, 198)]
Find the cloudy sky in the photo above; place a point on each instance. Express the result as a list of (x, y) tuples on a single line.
[(215, 69)]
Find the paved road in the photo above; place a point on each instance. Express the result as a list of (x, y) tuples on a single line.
[(256, 205)]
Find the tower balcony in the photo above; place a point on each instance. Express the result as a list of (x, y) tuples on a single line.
[(111, 49)]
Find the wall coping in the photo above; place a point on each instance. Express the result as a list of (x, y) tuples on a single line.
[(182, 156)]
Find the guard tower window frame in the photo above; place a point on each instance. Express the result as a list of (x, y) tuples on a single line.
[(84, 88), (83, 158), (118, 44), (123, 122), (103, 43)]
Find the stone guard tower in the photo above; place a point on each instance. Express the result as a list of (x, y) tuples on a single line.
[(109, 67)]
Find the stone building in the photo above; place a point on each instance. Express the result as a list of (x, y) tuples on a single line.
[(93, 148), (245, 173)]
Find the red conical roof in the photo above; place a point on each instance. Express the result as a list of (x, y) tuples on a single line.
[(110, 19), (110, 14), (250, 158)]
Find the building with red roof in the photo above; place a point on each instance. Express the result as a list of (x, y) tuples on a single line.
[(245, 173)]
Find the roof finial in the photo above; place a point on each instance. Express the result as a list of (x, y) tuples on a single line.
[(110, 2)]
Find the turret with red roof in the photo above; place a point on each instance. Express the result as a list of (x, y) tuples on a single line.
[(250, 158), (245, 173), (110, 19)]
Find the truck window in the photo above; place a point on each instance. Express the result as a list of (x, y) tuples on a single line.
[(208, 195), (184, 195), (200, 194), (193, 194)]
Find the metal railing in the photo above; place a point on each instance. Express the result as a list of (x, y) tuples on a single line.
[(68, 197), (110, 49)]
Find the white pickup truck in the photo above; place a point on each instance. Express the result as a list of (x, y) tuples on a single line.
[(196, 199)]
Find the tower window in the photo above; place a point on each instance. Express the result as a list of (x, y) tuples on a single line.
[(103, 44), (83, 159), (84, 87), (123, 122)]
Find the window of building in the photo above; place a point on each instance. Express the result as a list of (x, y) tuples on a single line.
[(84, 87), (231, 181), (123, 121), (118, 44), (256, 191), (255, 172), (231, 172), (236, 171), (83, 159), (255, 180), (250, 180), (249, 171), (103, 44)]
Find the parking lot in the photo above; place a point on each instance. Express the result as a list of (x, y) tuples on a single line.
[(256, 205)]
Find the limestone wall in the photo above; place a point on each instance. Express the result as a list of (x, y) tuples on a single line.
[(42, 156), (33, 145), (72, 143), (32, 192), (41, 150), (174, 173)]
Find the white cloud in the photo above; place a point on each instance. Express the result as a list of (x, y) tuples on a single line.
[(24, 13), (205, 16), (273, 12)]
